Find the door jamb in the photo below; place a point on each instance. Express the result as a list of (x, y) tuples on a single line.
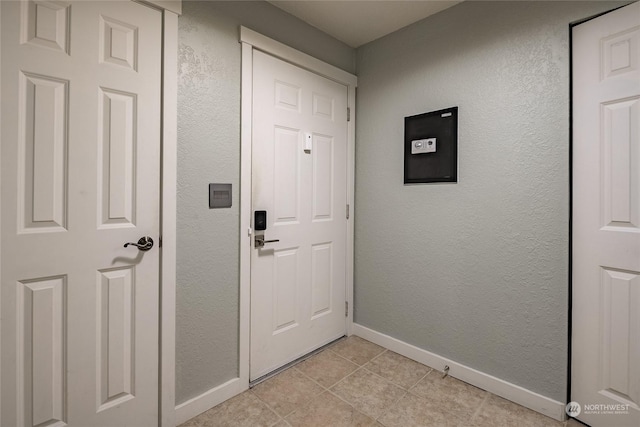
[(168, 221), (170, 9), (1, 373), (251, 40)]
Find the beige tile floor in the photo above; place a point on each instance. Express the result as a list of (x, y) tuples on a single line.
[(357, 383)]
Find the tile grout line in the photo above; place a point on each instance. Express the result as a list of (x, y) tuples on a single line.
[(266, 404), (343, 399), (454, 415), (348, 403), (405, 391), (451, 414), (362, 367), (421, 378), (392, 405), (482, 404), (347, 376), (294, 367), (278, 422), (314, 381), (359, 367), (366, 366), (341, 356), (429, 370), (433, 371), (394, 383), (378, 355), (355, 363), (331, 392), (303, 404), (384, 349), (306, 402), (320, 385)]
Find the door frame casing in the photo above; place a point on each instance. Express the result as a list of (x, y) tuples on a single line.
[(170, 10), (251, 40), (168, 217), (1, 373)]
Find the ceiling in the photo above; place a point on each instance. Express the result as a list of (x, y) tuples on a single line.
[(356, 22)]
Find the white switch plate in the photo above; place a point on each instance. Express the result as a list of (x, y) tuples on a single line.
[(419, 146)]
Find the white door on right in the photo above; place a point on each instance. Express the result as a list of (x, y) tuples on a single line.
[(605, 364)]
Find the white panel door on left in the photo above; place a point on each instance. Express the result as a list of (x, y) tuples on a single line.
[(80, 177)]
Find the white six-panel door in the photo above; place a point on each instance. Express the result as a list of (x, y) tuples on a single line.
[(80, 177), (299, 176), (606, 219)]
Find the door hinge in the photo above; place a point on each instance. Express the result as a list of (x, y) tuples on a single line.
[(348, 114), (346, 309), (347, 211)]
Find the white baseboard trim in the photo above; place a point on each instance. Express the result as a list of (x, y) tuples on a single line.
[(521, 396), (207, 400)]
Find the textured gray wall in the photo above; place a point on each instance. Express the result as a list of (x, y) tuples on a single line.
[(474, 271), (209, 151)]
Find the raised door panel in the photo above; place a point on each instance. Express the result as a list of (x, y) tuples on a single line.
[(322, 106), (117, 159), (41, 368), (43, 147), (115, 340), (288, 96), (118, 43), (286, 176), (621, 164), (321, 279), (285, 290), (323, 177), (46, 24), (619, 321), (620, 52)]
